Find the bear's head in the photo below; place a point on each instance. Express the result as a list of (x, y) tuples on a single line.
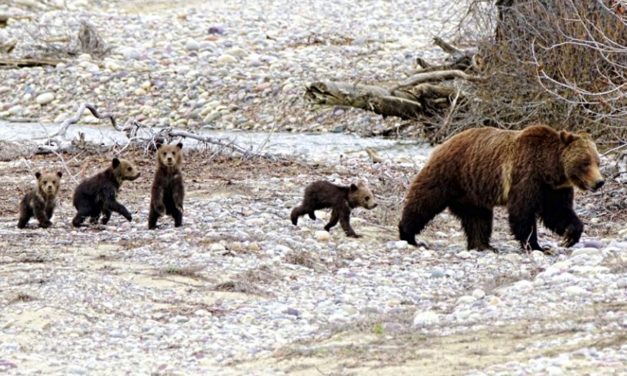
[(170, 156), (360, 195), (124, 169), (48, 183), (580, 160)]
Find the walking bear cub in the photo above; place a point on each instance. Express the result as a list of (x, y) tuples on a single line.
[(41, 200), (97, 194), (342, 199), (167, 188), (532, 172)]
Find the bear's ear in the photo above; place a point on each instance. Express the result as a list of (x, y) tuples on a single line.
[(115, 162), (353, 188), (37, 175), (567, 137), (59, 173), (179, 145)]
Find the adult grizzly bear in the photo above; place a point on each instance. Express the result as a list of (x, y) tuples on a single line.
[(532, 172)]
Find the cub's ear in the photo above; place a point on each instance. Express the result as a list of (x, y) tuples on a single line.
[(59, 173), (115, 162), (179, 145), (567, 137), (353, 188), (37, 175)]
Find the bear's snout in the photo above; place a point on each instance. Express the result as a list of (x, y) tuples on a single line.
[(598, 184)]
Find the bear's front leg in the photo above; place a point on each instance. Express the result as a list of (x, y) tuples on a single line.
[(344, 216), (558, 215), (118, 208)]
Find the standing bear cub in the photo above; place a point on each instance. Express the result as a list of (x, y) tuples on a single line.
[(41, 200), (322, 195), (532, 172), (167, 187), (97, 194)]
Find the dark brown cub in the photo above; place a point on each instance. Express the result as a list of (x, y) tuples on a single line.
[(342, 199), (97, 194), (168, 190)]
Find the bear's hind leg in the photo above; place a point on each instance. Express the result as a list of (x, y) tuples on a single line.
[(477, 224), (333, 221), (25, 215)]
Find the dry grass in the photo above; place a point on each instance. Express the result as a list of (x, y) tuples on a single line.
[(557, 62)]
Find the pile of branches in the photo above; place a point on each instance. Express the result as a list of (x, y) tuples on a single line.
[(427, 96), (559, 62)]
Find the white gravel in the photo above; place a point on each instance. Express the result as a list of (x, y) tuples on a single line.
[(238, 287)]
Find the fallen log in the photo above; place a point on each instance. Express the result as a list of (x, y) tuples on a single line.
[(29, 62)]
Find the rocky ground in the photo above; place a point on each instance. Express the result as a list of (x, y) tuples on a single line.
[(238, 289)]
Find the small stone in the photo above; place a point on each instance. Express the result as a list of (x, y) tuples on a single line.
[(466, 299), (226, 59), (523, 285), (585, 252), (322, 236), (45, 98), (593, 243), (237, 52), (575, 290), (217, 247), (425, 319), (191, 45), (216, 30), (464, 255), (293, 312), (478, 294), (437, 273), (16, 110)]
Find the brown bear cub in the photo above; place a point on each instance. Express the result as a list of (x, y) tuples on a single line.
[(167, 188), (322, 195), (41, 200), (532, 172), (97, 194)]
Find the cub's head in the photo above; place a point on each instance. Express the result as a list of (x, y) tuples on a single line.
[(580, 160), (170, 155), (124, 170), (360, 195), (48, 183)]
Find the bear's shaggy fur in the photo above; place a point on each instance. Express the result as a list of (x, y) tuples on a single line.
[(322, 195), (41, 200), (97, 194), (167, 187), (532, 172)]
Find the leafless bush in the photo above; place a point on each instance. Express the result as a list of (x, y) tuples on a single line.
[(560, 62)]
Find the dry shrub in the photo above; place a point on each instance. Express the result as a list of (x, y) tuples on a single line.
[(559, 62)]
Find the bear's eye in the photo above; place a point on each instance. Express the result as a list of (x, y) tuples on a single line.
[(129, 169), (45, 182), (367, 198)]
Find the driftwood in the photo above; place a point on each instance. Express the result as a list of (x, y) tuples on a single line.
[(429, 91), (138, 135), (35, 62)]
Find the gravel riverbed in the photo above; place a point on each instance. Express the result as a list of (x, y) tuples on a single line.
[(239, 289)]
